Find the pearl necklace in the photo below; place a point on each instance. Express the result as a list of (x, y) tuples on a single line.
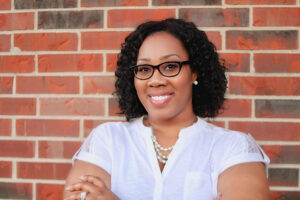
[(158, 148)]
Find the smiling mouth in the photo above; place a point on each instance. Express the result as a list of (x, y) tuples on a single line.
[(160, 100)]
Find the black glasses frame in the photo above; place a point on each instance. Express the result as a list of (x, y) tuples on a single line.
[(157, 67)]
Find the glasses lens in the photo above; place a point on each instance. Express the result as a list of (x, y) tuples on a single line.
[(169, 69), (143, 71)]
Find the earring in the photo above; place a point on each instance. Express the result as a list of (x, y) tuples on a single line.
[(195, 82)]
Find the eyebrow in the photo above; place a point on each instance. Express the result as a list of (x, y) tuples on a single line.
[(161, 58), (169, 55)]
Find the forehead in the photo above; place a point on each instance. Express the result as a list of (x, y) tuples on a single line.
[(160, 44)]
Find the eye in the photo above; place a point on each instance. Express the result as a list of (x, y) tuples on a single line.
[(143, 69), (171, 66)]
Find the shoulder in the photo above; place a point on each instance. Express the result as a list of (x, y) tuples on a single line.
[(220, 141), (230, 142), (225, 142), (115, 129), (226, 137), (109, 126), (221, 137)]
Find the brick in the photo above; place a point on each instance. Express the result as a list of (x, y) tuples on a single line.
[(5, 4), (16, 21), (58, 149), (134, 17), (49, 191), (70, 63), (216, 38), (275, 195), (5, 169), (262, 16), (277, 108), (98, 84), (47, 127), (111, 62), (283, 176), (5, 127), (15, 190), (17, 106), (216, 17), (47, 85), (283, 154), (274, 63), (70, 19), (6, 84), (40, 170), (12, 148), (247, 85), (104, 3), (113, 107), (36, 4), (89, 125), (46, 41), (236, 108), (72, 106), (261, 2), (261, 40), (269, 131), (185, 2), (16, 64), (236, 62), (4, 43), (103, 40)]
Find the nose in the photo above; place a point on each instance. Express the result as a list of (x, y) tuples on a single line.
[(157, 79)]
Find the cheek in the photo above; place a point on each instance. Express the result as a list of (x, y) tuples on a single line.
[(185, 86), (184, 81), (138, 87)]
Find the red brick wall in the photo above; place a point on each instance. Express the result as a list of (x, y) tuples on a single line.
[(56, 78)]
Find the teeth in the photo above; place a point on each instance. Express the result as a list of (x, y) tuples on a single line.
[(158, 98)]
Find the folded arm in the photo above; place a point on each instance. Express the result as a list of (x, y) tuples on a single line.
[(87, 177)]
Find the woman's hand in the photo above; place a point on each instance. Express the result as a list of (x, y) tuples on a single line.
[(95, 188)]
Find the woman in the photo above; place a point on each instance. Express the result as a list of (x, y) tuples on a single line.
[(168, 76)]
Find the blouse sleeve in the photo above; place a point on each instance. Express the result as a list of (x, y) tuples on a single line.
[(235, 149), (243, 149), (96, 150)]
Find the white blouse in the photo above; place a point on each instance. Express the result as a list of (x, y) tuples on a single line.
[(202, 152)]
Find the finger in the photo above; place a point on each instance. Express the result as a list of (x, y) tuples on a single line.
[(83, 186), (74, 196), (93, 179)]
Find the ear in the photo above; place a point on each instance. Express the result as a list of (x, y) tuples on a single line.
[(194, 76)]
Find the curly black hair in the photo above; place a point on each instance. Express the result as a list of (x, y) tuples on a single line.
[(208, 95)]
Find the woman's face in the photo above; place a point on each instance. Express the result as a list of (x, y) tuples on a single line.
[(165, 98)]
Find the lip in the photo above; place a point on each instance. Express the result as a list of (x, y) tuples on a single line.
[(160, 99)]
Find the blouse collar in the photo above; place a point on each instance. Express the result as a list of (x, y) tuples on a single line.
[(185, 132)]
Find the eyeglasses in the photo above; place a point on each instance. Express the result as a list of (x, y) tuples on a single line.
[(168, 69)]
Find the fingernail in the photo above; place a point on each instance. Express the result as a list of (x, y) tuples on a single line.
[(82, 177), (68, 187)]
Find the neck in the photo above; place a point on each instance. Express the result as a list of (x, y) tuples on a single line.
[(170, 128)]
